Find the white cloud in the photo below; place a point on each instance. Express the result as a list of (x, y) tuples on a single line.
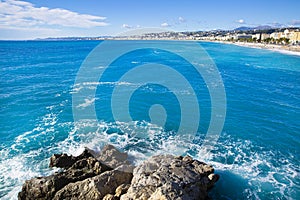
[(15, 13), (165, 24), (240, 21), (181, 20), (131, 27), (126, 26)]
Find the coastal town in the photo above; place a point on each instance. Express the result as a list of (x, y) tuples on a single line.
[(286, 36), (278, 39), (271, 36), (243, 34)]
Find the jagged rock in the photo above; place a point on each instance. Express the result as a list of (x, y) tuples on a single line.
[(112, 157), (108, 175), (65, 161), (170, 177), (62, 161), (109, 197), (96, 187), (122, 189), (46, 187)]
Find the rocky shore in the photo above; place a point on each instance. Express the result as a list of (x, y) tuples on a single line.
[(109, 175)]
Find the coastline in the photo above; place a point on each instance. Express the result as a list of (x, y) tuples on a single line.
[(284, 49), (290, 50)]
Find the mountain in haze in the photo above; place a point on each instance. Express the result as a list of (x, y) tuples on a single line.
[(245, 28), (264, 27)]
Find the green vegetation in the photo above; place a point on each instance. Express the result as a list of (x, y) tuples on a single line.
[(247, 40), (277, 41)]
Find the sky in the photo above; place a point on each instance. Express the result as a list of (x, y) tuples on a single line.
[(30, 19)]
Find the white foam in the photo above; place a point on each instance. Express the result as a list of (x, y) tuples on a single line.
[(142, 140), (15, 170), (87, 102), (92, 85), (257, 167), (76, 89)]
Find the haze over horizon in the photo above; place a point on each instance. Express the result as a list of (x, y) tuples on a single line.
[(30, 19)]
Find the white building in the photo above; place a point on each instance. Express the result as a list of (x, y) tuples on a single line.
[(285, 34), (295, 37), (275, 35), (257, 36), (264, 36)]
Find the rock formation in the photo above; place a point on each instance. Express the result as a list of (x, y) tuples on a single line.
[(170, 177), (109, 175)]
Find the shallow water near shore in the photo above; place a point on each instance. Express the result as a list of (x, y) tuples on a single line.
[(257, 154)]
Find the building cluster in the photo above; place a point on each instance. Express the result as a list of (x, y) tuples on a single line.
[(273, 36), (284, 37)]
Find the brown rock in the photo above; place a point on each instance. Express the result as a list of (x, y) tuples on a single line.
[(108, 175), (109, 197), (65, 161), (122, 189), (96, 187), (112, 157), (46, 187), (170, 177)]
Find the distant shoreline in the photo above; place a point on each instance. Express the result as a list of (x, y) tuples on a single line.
[(290, 50), (284, 49)]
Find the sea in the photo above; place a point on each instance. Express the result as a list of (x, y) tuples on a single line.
[(63, 96)]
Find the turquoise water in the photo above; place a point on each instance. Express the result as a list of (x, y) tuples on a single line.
[(257, 154)]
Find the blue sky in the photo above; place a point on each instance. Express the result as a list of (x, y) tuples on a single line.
[(29, 19)]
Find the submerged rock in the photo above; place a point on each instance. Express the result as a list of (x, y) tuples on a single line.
[(109, 175)]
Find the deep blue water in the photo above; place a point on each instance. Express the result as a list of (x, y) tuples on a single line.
[(258, 151)]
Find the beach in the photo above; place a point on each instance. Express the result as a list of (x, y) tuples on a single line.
[(285, 49)]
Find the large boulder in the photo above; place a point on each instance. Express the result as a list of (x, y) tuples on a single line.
[(112, 157), (96, 187), (170, 177), (84, 166)]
